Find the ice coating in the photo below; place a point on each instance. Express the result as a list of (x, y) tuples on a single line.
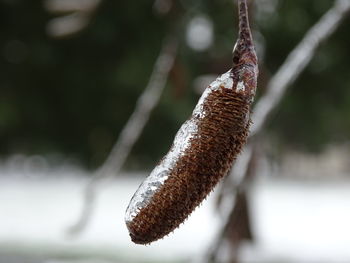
[(225, 80), (160, 173), (240, 86)]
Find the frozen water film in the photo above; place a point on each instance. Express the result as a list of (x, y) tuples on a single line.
[(161, 172)]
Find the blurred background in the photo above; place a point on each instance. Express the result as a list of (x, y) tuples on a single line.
[(72, 73)]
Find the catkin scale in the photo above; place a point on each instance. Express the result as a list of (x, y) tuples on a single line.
[(207, 160), (221, 123)]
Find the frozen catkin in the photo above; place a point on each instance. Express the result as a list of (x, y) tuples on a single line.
[(203, 150)]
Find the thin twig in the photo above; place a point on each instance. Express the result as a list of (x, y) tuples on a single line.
[(295, 63), (131, 131)]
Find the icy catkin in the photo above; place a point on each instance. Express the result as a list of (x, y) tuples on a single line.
[(203, 150)]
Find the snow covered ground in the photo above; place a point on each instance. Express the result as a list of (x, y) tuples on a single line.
[(293, 221)]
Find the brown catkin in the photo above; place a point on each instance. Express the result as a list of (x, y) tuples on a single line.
[(221, 123), (221, 135)]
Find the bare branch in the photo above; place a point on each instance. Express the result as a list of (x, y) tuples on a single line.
[(295, 63), (131, 131)]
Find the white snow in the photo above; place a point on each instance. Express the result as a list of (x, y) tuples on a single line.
[(293, 221), (35, 213), (300, 221)]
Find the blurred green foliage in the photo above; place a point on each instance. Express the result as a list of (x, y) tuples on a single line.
[(73, 95)]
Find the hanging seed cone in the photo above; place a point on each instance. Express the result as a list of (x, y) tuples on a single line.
[(203, 150)]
